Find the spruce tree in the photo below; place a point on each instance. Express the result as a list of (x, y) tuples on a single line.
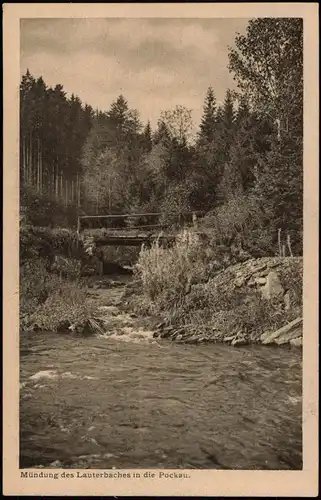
[(147, 137), (207, 125)]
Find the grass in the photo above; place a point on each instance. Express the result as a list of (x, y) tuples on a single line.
[(166, 275), (184, 287), (51, 303)]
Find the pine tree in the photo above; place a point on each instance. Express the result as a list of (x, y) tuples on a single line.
[(52, 134), (147, 138), (228, 111), (26, 110), (208, 121)]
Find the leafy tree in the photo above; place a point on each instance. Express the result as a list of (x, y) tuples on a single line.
[(179, 123), (162, 134), (268, 67)]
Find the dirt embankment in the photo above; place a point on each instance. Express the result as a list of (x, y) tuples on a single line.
[(257, 301)]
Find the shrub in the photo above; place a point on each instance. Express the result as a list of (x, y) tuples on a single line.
[(66, 305), (45, 243), (48, 302), (182, 286), (42, 210), (36, 284), (167, 274), (291, 277), (242, 222)]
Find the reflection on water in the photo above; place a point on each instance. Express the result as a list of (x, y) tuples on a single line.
[(103, 403)]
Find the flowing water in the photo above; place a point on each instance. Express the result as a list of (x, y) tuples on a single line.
[(127, 400)]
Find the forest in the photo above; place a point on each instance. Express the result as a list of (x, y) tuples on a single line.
[(243, 168)]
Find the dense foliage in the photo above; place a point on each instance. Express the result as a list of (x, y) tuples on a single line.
[(244, 168)]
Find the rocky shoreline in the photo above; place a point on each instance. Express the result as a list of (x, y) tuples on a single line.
[(257, 290), (290, 334), (273, 281)]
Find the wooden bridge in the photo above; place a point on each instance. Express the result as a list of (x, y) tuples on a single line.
[(134, 229)]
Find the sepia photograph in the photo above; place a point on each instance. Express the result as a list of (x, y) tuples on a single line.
[(161, 210)]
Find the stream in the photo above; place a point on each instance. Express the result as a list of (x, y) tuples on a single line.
[(128, 400)]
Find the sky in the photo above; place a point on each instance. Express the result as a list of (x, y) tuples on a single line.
[(155, 63)]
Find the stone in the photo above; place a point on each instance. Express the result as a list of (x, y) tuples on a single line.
[(268, 337), (286, 337), (296, 342), (166, 333), (273, 287), (239, 282), (239, 342), (260, 281), (229, 339), (192, 340), (273, 264), (257, 269), (287, 300), (64, 325), (168, 329)]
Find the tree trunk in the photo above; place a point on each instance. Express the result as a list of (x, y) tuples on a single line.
[(61, 185), (53, 180), (23, 160), (26, 161), (57, 181), (40, 170), (37, 167), (30, 161), (66, 192), (78, 190)]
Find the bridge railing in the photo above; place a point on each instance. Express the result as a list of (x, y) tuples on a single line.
[(127, 222)]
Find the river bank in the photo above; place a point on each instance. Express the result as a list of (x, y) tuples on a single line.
[(126, 399), (198, 291), (258, 301)]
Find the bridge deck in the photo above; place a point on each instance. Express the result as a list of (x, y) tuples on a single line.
[(184, 219), (130, 240)]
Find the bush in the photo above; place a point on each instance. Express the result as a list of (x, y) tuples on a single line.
[(182, 285), (48, 302), (291, 277), (45, 243), (36, 284), (42, 210), (67, 305), (167, 274)]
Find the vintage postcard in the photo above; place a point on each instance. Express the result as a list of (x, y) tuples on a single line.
[(161, 249)]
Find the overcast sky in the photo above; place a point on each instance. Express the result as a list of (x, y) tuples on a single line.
[(154, 63)]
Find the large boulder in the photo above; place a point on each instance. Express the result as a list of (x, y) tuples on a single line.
[(283, 335), (273, 287)]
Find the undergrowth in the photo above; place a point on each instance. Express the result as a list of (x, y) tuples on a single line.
[(49, 302), (183, 285)]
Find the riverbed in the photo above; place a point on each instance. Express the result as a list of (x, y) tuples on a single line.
[(128, 400)]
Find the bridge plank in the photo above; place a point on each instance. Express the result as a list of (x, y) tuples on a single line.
[(126, 240)]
